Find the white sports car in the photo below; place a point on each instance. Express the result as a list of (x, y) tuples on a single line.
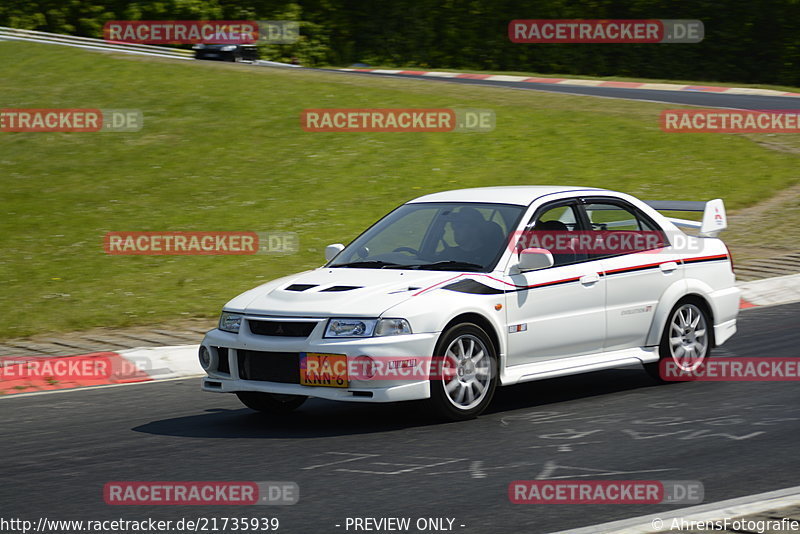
[(455, 293)]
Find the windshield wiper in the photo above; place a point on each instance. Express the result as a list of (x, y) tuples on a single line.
[(369, 264), (448, 265)]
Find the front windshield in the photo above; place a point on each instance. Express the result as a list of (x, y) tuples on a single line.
[(435, 236)]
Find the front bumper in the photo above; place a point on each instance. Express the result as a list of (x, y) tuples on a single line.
[(403, 346), (405, 392)]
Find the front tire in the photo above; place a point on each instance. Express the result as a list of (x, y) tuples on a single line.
[(465, 373), (686, 340), (269, 402)]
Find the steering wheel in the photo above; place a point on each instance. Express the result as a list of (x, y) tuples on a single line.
[(406, 249)]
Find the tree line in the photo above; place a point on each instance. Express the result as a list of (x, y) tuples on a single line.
[(746, 41)]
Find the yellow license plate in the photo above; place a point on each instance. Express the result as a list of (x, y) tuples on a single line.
[(327, 370)]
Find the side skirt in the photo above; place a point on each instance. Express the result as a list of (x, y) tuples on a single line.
[(577, 364)]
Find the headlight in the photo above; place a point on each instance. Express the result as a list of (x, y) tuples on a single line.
[(198, 47), (229, 48), (392, 327), (230, 322), (366, 327), (350, 327)]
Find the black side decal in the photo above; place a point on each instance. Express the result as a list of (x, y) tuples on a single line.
[(472, 286)]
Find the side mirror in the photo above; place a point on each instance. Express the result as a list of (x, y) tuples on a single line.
[(331, 251), (533, 259)]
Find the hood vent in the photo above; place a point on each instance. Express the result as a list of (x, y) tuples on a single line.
[(299, 287), (339, 288)]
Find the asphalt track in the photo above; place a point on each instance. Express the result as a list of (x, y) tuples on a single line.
[(355, 460), (688, 98)]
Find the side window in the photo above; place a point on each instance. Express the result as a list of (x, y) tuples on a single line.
[(448, 239), (620, 230), (561, 217), (555, 229), (614, 218)]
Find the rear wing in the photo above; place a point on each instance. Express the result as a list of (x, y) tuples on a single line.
[(714, 218)]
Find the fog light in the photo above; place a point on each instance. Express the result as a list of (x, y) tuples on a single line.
[(363, 368), (205, 358)]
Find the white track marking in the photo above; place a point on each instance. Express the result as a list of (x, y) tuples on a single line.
[(750, 504)]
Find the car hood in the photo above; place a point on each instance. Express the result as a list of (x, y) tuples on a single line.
[(337, 292)]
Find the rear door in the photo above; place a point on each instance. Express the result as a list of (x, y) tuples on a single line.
[(639, 265)]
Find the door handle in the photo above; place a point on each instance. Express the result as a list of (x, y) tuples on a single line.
[(668, 267), (589, 279)]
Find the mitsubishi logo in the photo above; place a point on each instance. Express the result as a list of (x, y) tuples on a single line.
[(279, 329)]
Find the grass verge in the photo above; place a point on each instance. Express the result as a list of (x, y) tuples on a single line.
[(222, 149)]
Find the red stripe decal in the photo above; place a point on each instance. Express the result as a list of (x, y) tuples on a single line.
[(700, 258), (543, 284), (635, 267)]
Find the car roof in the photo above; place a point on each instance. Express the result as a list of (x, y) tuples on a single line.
[(521, 195)]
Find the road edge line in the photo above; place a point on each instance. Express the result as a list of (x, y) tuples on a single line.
[(103, 386), (737, 507)]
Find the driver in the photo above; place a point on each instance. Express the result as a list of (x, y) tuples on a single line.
[(474, 237)]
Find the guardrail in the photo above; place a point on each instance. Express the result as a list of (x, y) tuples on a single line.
[(15, 34)]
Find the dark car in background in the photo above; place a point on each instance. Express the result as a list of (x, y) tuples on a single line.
[(226, 52)]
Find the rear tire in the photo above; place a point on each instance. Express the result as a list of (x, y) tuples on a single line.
[(464, 376), (686, 340), (269, 402)]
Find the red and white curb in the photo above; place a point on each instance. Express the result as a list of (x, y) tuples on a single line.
[(770, 291), (582, 83), (32, 375), (670, 520)]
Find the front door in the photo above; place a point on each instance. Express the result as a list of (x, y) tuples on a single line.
[(556, 312)]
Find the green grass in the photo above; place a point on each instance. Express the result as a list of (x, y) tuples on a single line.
[(222, 149)]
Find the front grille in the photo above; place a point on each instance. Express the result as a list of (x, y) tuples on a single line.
[(269, 366), (282, 328), (223, 364)]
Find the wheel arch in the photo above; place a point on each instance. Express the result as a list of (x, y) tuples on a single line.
[(669, 300), (485, 324)]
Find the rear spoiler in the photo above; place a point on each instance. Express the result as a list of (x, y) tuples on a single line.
[(714, 218)]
